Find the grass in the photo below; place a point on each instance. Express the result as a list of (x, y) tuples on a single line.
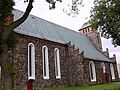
[(110, 86)]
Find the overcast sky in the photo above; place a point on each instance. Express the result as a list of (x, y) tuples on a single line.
[(41, 9)]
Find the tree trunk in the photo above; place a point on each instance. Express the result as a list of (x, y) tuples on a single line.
[(5, 76), (6, 30)]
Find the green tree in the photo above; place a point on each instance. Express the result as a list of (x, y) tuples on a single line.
[(7, 37), (106, 16)]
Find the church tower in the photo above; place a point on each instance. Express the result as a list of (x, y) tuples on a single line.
[(94, 35)]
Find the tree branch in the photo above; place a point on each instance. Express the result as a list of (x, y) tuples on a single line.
[(16, 23)]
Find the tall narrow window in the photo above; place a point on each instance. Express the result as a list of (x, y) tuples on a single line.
[(92, 71), (88, 29), (103, 67), (0, 72), (31, 61), (112, 71), (57, 63), (83, 31), (45, 62)]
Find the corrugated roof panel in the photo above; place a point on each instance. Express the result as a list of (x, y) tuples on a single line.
[(43, 29)]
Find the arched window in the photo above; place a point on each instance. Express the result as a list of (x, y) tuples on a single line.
[(45, 62), (31, 61), (0, 72), (103, 67), (92, 71), (83, 31), (57, 63), (88, 29), (112, 71)]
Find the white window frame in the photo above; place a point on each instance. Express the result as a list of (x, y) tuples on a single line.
[(112, 71), (32, 76), (103, 67), (57, 63), (0, 72), (93, 70), (45, 62)]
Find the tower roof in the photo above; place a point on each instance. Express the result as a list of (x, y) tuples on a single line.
[(87, 24)]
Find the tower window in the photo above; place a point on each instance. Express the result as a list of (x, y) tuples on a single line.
[(88, 29), (83, 31)]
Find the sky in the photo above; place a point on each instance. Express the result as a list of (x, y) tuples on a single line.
[(58, 16)]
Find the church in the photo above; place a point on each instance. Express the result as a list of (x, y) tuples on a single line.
[(49, 55)]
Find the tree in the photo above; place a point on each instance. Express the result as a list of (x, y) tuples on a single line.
[(106, 16), (6, 32)]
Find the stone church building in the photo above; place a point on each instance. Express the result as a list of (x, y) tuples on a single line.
[(49, 55)]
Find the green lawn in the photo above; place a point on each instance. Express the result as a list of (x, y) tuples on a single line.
[(110, 86)]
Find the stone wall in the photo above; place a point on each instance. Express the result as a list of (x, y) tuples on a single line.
[(20, 63), (74, 67), (116, 72), (99, 72), (95, 39), (86, 73)]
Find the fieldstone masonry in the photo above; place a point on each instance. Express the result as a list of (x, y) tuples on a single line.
[(20, 63), (74, 67)]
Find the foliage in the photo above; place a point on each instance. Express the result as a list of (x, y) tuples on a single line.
[(1, 40), (9, 68), (6, 7), (106, 16), (74, 8), (110, 86), (12, 40), (52, 3)]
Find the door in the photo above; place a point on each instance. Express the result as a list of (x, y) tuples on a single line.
[(105, 78), (30, 85)]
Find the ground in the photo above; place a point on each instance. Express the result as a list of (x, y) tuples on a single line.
[(109, 86)]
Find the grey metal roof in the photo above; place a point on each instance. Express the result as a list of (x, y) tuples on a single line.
[(43, 29)]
